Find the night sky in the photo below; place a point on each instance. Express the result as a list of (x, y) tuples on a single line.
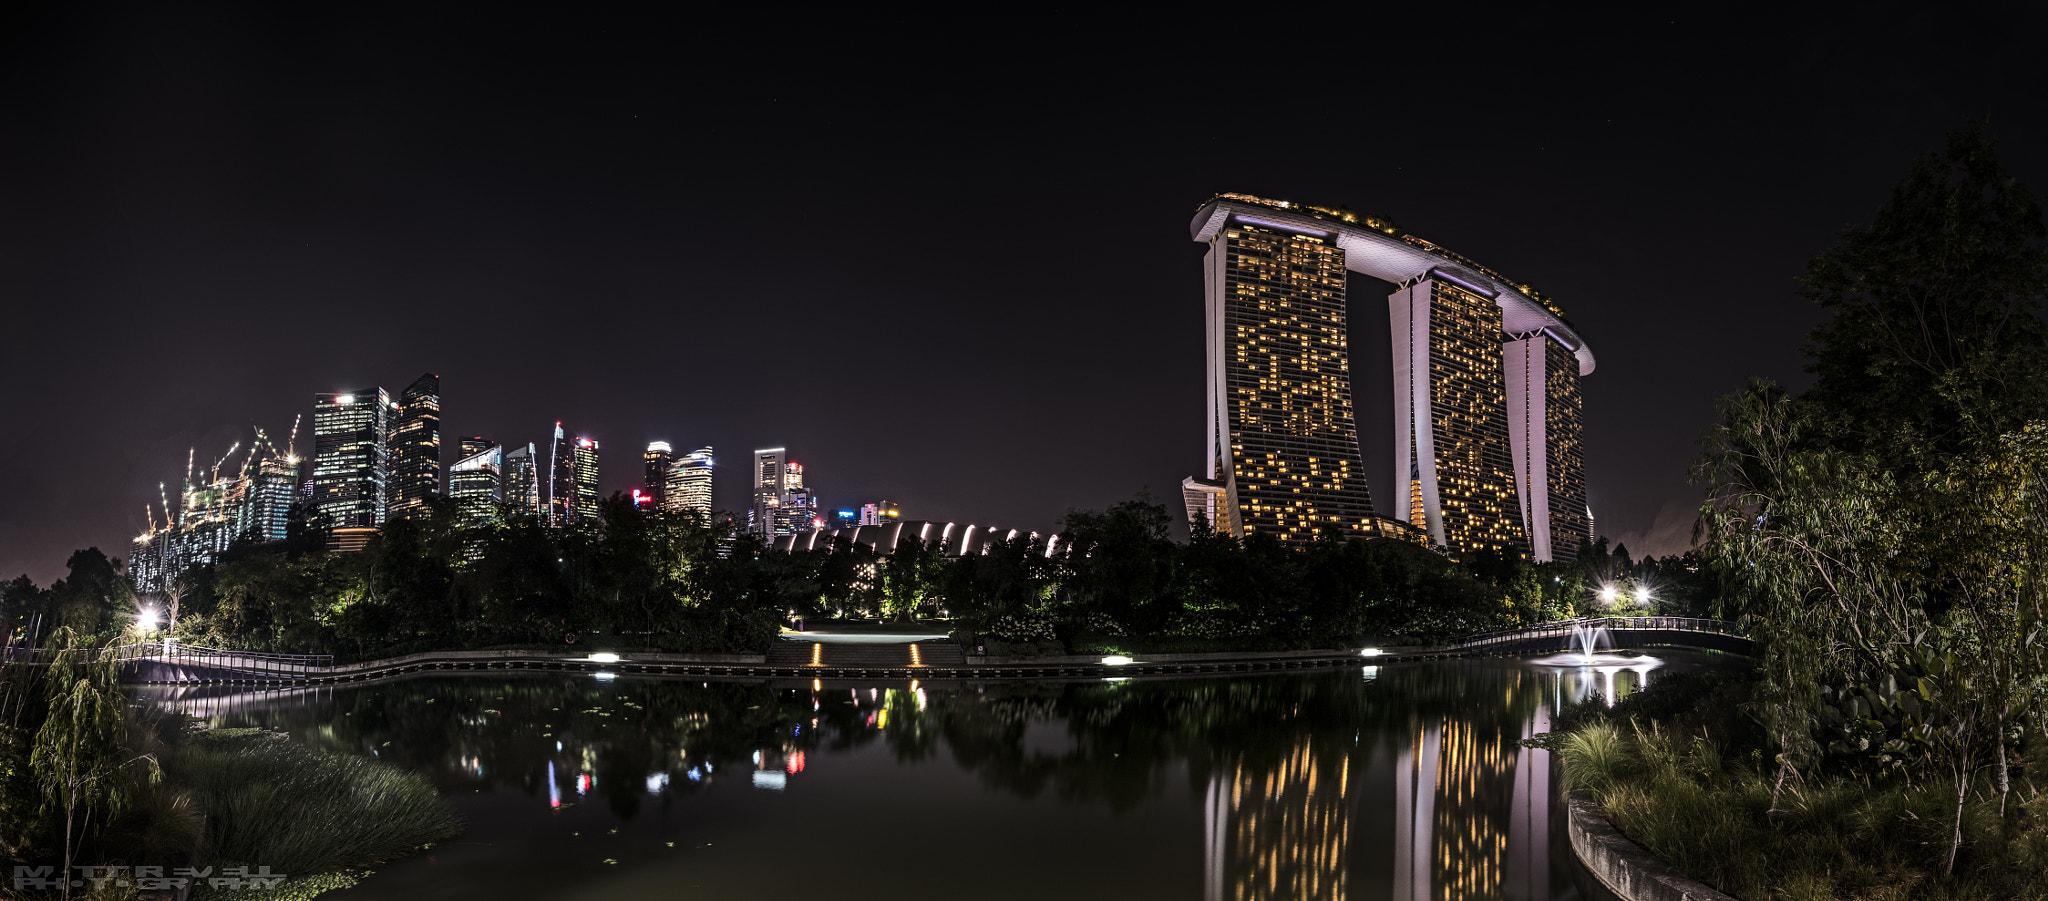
[(943, 257)]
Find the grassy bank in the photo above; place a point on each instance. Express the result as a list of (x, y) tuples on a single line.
[(1679, 771), (272, 802)]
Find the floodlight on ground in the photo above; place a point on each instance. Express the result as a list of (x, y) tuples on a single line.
[(1116, 660), (1369, 652), (604, 657)]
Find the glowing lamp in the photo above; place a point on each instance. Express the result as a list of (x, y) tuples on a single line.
[(1369, 652), (604, 657), (1116, 660), (147, 618), (1607, 594), (1642, 594)]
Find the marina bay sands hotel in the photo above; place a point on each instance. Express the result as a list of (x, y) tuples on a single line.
[(1487, 432)]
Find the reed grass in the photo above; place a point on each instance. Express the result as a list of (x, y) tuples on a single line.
[(1706, 808), (272, 802)]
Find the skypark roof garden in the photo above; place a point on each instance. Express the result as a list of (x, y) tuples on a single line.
[(1377, 247)]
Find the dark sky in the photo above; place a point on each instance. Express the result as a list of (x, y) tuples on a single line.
[(942, 257)]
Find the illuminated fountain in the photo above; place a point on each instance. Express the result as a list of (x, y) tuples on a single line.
[(1591, 663)]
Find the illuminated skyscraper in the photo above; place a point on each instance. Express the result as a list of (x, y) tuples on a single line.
[(583, 473), (1487, 434), (272, 490), (1548, 438), (521, 481), (782, 504), (561, 482), (350, 476), (476, 483), (1451, 413), (466, 448), (768, 463), (689, 484), (655, 464), (1282, 447), (415, 455)]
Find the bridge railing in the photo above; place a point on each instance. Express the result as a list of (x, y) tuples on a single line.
[(1563, 628), (190, 655)]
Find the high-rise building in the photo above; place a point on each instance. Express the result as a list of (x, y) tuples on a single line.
[(476, 483), (583, 475), (1451, 415), (1545, 431), (521, 481), (466, 448), (768, 463), (350, 472), (782, 504), (273, 488), (655, 463), (415, 454), (561, 479), (1487, 433), (1282, 447), (688, 488)]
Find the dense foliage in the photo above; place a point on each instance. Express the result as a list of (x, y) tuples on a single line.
[(636, 580), (1884, 534)]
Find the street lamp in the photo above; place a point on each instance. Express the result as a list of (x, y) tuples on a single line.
[(146, 620), (1642, 595), (1608, 595)]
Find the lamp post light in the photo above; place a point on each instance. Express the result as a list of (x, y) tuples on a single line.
[(1608, 595)]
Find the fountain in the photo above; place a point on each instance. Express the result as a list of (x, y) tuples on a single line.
[(1586, 637)]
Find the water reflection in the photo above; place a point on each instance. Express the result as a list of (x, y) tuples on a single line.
[(1399, 781)]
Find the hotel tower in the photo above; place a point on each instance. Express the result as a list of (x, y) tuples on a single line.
[(1486, 432)]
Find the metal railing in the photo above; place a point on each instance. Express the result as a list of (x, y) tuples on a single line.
[(1564, 628), (252, 663)]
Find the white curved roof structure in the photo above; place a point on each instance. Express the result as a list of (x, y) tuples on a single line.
[(1378, 249)]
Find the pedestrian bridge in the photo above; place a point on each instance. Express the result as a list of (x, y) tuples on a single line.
[(1621, 631)]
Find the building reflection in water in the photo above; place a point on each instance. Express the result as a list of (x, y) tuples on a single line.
[(1445, 806)]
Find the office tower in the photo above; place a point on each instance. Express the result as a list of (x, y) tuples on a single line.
[(1451, 417), (350, 475), (1544, 429), (272, 490), (415, 455), (521, 481), (476, 483), (1487, 433), (768, 463), (655, 463), (1282, 449), (561, 479), (689, 484), (466, 448), (798, 511), (583, 475)]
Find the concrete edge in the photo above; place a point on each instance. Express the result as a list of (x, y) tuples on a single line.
[(1627, 870)]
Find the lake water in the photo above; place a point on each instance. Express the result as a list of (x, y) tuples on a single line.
[(1402, 781)]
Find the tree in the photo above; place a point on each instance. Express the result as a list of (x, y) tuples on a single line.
[(1935, 342), (80, 760)]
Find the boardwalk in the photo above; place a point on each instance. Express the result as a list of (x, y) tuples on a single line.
[(804, 656)]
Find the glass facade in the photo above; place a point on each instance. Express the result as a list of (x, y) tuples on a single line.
[(583, 474), (415, 452), (689, 484), (476, 484), (655, 463), (350, 471), (521, 480)]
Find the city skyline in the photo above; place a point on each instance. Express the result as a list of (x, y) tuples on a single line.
[(214, 217)]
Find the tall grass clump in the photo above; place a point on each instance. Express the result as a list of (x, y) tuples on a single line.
[(273, 802), (1695, 787)]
